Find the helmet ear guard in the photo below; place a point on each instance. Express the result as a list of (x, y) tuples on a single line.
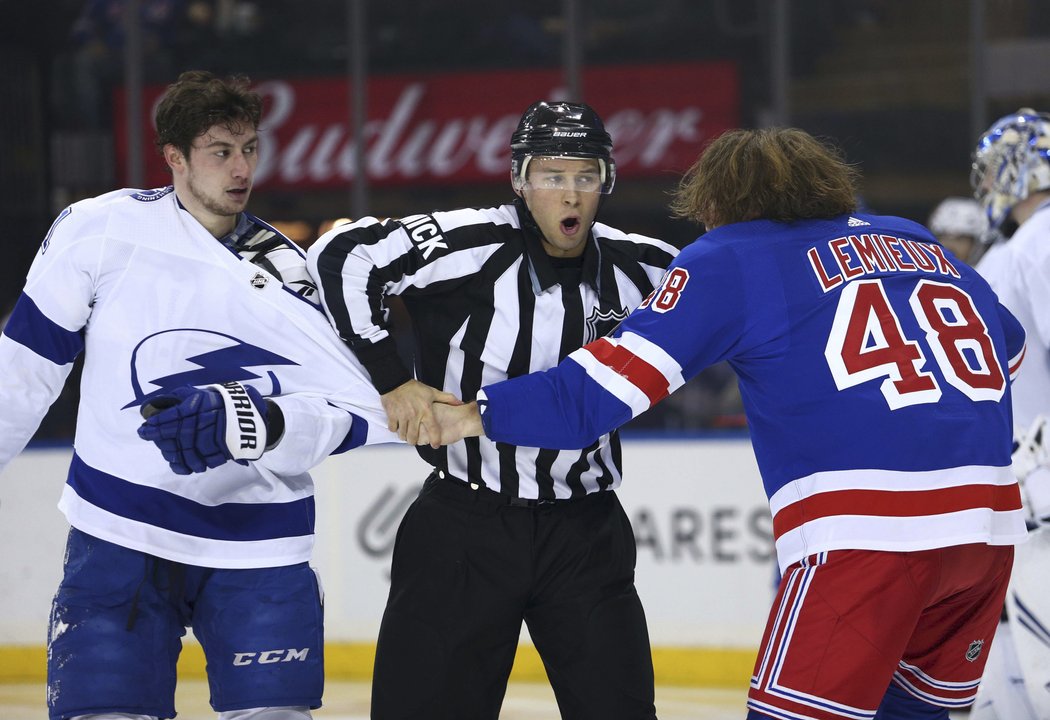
[(561, 130), (1011, 162)]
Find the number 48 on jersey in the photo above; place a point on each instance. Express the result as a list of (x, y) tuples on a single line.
[(867, 343)]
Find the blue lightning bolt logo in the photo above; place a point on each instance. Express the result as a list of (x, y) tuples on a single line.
[(220, 365)]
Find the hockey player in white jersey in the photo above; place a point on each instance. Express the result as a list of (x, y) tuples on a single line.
[(1011, 180), (183, 302), (959, 224)]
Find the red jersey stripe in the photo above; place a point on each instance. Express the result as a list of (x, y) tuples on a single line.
[(896, 503), (638, 372), (1016, 365)]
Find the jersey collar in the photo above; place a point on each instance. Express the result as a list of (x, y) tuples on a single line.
[(544, 275)]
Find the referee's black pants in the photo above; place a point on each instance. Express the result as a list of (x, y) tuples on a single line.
[(468, 567)]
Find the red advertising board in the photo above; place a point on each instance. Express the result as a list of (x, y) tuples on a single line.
[(455, 127)]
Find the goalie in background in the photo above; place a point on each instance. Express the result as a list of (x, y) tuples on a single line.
[(184, 304), (1011, 181)]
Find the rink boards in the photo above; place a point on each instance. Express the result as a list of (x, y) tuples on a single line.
[(705, 559)]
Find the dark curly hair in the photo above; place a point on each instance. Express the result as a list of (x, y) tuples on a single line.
[(199, 100), (780, 174)]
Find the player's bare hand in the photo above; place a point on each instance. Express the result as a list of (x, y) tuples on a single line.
[(424, 437), (456, 422), (408, 411)]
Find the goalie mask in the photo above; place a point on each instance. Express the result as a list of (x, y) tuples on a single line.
[(1012, 161), (561, 129)]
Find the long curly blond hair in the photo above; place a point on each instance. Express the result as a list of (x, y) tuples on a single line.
[(780, 174)]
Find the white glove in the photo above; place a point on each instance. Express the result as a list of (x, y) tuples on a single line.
[(1031, 467)]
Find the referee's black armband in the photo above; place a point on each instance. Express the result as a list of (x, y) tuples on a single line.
[(384, 365)]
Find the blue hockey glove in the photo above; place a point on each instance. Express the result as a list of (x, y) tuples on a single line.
[(201, 428)]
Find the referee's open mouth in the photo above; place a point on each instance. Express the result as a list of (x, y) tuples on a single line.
[(570, 225)]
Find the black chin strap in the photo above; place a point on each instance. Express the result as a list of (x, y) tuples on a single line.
[(528, 222)]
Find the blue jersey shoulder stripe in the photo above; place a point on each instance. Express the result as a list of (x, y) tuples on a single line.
[(30, 327), (229, 521)]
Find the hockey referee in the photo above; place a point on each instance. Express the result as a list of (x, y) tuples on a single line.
[(501, 534)]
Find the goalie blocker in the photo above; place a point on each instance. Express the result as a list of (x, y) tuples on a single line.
[(201, 428)]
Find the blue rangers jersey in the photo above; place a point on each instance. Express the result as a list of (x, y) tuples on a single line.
[(155, 301), (873, 365)]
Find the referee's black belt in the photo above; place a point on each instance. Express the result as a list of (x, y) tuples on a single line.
[(442, 483)]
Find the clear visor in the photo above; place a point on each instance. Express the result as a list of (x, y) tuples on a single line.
[(577, 175)]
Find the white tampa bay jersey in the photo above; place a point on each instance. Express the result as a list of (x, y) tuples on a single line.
[(155, 302)]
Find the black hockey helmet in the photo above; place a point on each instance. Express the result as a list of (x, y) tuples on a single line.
[(561, 129)]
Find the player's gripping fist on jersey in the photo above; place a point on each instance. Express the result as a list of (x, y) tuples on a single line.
[(201, 428)]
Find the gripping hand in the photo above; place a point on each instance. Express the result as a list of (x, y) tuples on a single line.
[(201, 428)]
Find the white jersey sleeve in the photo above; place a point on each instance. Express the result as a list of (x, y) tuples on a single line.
[(44, 333), (313, 430)]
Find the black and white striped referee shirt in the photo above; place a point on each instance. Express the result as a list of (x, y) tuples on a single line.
[(487, 303)]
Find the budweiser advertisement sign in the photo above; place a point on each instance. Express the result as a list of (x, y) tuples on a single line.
[(456, 127)]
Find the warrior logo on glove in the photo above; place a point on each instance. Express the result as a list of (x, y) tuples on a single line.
[(239, 404)]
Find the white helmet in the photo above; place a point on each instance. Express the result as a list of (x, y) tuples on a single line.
[(1012, 161), (958, 216)]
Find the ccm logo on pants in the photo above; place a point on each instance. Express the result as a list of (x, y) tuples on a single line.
[(270, 656)]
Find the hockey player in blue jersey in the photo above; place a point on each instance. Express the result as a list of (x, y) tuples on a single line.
[(875, 371), (183, 302)]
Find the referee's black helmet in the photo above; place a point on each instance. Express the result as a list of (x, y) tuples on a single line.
[(561, 129)]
